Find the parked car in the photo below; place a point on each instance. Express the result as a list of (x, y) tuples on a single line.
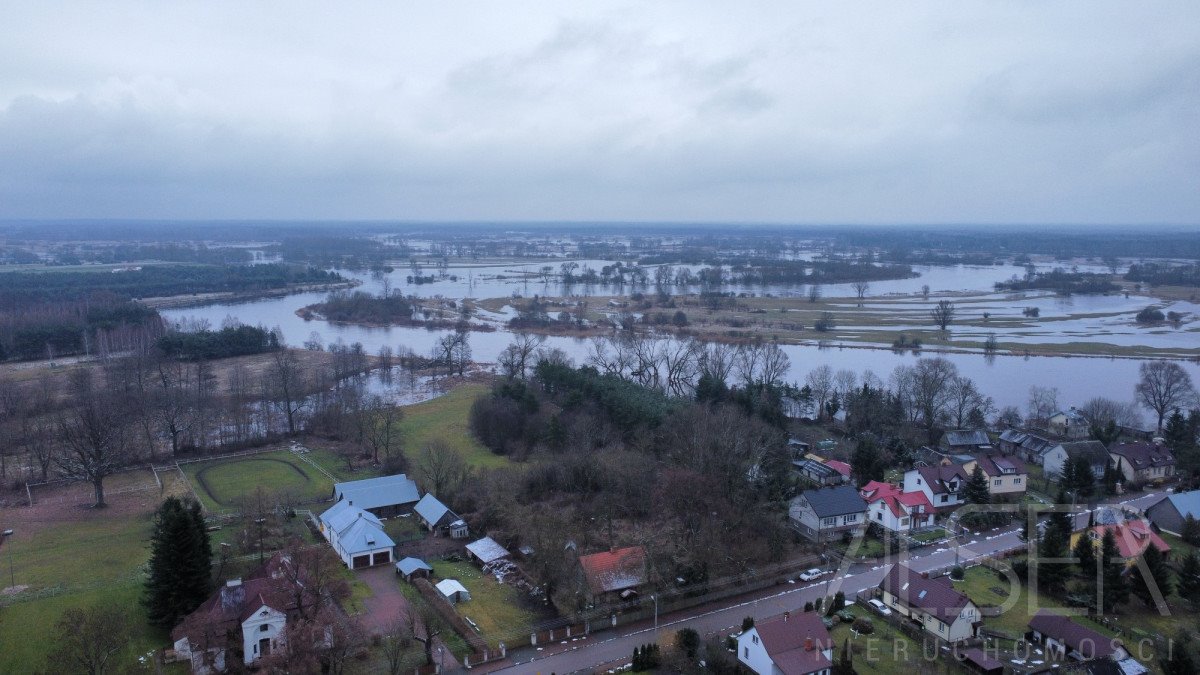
[(879, 606), (814, 573)]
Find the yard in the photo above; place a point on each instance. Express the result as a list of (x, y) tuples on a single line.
[(69, 555), (883, 652), (221, 483), (445, 418), (497, 609)]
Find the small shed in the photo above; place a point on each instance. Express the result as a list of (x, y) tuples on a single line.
[(979, 661), (453, 591), (459, 529), (433, 513), (486, 551), (410, 568)]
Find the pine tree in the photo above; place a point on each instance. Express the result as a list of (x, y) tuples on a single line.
[(1053, 576), (867, 462), (1189, 577), (1191, 530), (1116, 588), (1085, 550), (1179, 659), (180, 563), (976, 492), (1160, 577)]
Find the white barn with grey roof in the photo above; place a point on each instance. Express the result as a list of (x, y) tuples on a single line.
[(357, 536), (434, 515), (385, 496)]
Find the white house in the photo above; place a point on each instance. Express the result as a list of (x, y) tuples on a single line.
[(1094, 452), (823, 514), (1006, 474), (357, 536), (895, 510), (942, 485), (1070, 424), (932, 604), (792, 644), (253, 611)]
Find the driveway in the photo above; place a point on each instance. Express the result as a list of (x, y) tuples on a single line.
[(387, 605)]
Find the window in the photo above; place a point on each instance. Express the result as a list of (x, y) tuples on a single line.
[(745, 652), (879, 516), (945, 498), (941, 627), (754, 639), (852, 518), (904, 521), (918, 481), (998, 482), (263, 628), (1016, 481)]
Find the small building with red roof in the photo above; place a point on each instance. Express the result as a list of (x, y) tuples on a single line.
[(612, 575), (792, 644), (896, 510), (841, 467)]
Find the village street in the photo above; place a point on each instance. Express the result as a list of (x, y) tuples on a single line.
[(604, 648)]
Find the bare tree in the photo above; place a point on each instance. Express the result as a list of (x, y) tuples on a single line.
[(400, 652), (517, 358), (965, 398), (88, 640), (717, 361), (748, 361), (382, 433), (285, 383), (94, 436), (821, 381), (860, 290), (773, 365), (814, 292), (441, 468), (926, 391), (424, 624), (679, 360), (1165, 386), (1101, 411), (1043, 402), (942, 314)]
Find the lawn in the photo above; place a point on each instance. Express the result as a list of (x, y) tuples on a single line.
[(445, 418), (495, 607), (221, 483), (403, 529), (883, 652)]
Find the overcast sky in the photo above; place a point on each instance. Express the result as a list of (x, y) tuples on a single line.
[(1001, 112)]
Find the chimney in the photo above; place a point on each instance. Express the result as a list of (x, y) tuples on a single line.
[(808, 643)]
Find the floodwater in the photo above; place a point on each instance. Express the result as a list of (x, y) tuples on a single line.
[(1006, 379)]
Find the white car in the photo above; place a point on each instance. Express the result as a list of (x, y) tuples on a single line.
[(879, 606), (814, 573)]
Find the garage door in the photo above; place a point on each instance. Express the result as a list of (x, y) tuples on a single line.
[(382, 558), (360, 561)]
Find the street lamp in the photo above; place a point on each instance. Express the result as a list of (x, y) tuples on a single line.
[(12, 572), (655, 599), (441, 658)]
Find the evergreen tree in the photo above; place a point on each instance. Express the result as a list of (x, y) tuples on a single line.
[(1085, 550), (1160, 576), (1189, 577), (1116, 588), (1053, 576), (976, 492), (1191, 530), (180, 562), (867, 463), (1179, 661)]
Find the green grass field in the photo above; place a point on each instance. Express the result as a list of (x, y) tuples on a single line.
[(445, 418), (220, 483), (494, 607), (883, 652)]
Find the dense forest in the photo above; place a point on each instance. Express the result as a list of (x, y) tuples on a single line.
[(1164, 274), (97, 323), (363, 307)]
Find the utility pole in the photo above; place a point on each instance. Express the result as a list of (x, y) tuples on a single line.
[(12, 570)]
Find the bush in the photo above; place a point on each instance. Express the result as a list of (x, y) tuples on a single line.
[(680, 319), (958, 573), (863, 626), (687, 641), (1031, 311), (1150, 315), (747, 623)]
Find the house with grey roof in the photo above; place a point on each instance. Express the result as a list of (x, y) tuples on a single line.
[(1143, 462), (1063, 637), (1027, 445), (1071, 424), (1170, 513), (966, 440), (356, 535), (434, 515), (1094, 451), (825, 513), (385, 496), (932, 604), (793, 644)]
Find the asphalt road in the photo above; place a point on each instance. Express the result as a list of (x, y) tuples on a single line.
[(585, 655)]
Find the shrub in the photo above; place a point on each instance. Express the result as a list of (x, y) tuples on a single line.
[(688, 642), (1150, 315), (863, 626), (1031, 311), (958, 573), (747, 623)]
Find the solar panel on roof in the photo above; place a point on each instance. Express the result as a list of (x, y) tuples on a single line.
[(921, 595)]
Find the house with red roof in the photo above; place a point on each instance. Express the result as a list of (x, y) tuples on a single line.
[(840, 467), (792, 644), (896, 510), (612, 575), (1133, 537)]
